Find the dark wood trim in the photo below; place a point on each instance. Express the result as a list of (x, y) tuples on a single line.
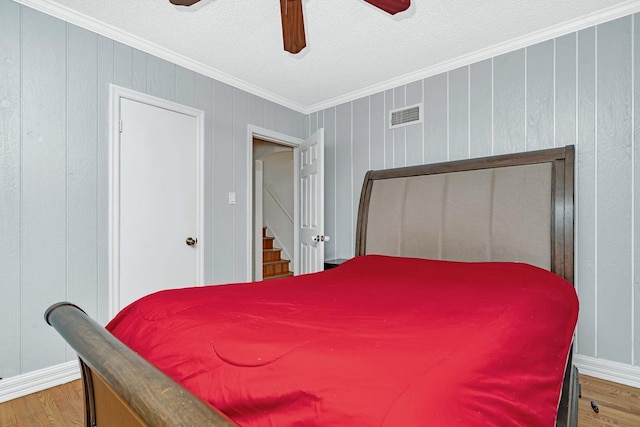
[(147, 392), (569, 214), (363, 214), (89, 399), (557, 218), (568, 406), (503, 160)]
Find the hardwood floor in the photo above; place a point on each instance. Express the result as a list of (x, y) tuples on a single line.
[(62, 406), (618, 405)]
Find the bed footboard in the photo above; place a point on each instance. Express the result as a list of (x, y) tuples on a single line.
[(120, 387), (568, 408)]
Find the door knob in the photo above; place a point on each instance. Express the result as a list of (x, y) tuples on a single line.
[(191, 241), (320, 238)]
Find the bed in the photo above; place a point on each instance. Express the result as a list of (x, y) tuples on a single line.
[(453, 317)]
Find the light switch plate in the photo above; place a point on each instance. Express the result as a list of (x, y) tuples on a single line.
[(232, 198)]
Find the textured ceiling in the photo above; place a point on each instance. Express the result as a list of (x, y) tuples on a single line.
[(352, 47)]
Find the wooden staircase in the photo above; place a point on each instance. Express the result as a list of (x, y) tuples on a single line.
[(273, 266)]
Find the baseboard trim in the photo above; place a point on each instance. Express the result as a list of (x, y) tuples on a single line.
[(31, 382), (607, 370)]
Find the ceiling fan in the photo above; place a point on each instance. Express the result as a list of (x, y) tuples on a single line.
[(293, 22)]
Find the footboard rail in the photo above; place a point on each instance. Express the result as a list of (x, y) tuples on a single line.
[(120, 385)]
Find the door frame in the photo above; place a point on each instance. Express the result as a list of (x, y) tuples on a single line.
[(116, 93), (288, 141)]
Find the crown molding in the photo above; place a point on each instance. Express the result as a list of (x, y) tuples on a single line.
[(619, 11), (106, 30), (88, 23)]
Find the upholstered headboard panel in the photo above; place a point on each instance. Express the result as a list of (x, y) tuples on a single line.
[(481, 215), (506, 208)]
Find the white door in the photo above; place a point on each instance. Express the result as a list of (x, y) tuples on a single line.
[(257, 219), (159, 202), (311, 226)]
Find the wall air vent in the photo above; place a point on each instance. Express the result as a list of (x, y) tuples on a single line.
[(405, 116)]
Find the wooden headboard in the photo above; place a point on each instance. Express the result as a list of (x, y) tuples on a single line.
[(515, 207)]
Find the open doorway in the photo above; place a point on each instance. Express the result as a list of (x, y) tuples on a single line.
[(307, 181), (276, 150), (274, 210)]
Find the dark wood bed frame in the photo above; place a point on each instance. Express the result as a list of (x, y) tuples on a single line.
[(121, 388)]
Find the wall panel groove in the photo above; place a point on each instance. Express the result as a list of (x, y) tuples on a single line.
[(636, 190), (11, 192)]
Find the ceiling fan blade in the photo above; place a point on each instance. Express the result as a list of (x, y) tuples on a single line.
[(391, 6), (184, 2), (292, 25)]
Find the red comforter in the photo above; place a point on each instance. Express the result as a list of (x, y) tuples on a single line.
[(377, 341)]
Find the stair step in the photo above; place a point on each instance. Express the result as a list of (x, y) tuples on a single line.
[(273, 254), (275, 267), (279, 276), (267, 242)]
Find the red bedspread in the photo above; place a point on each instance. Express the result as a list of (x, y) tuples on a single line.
[(377, 341)]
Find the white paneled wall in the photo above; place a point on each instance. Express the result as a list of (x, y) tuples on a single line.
[(579, 89), (54, 100)]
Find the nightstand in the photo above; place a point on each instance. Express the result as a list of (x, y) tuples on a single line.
[(333, 263)]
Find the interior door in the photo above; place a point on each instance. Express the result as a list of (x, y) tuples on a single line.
[(258, 168), (311, 224), (158, 200)]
